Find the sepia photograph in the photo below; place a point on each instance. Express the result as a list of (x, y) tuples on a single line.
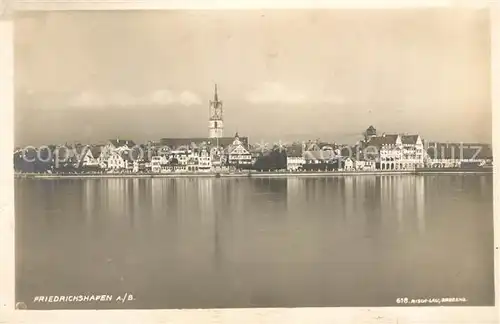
[(214, 159)]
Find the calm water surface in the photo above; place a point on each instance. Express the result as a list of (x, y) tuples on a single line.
[(209, 243)]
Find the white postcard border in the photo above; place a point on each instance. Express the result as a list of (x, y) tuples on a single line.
[(356, 315)]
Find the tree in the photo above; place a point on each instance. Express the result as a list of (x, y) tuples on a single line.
[(274, 160)]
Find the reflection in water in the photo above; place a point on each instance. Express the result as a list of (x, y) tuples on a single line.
[(204, 243), (89, 199), (401, 192), (420, 202)]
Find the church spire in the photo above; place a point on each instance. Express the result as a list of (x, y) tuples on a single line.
[(216, 97), (216, 124)]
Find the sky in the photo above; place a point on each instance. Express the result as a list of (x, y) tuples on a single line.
[(282, 74)]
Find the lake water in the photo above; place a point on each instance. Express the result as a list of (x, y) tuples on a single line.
[(243, 242)]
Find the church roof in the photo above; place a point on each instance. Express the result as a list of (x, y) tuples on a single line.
[(177, 142)]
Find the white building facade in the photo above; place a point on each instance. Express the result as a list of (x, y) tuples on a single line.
[(295, 163), (395, 151), (204, 161), (237, 154)]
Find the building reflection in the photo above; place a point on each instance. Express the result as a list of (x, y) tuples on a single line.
[(205, 201), (89, 199), (374, 198), (157, 196), (134, 201), (403, 198), (116, 196), (400, 192), (420, 202), (349, 196), (294, 193)]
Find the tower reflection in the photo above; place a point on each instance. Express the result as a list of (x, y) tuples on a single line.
[(116, 195)]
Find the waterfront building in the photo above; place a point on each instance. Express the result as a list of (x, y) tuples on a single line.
[(324, 155), (179, 157), (216, 160), (80, 153), (413, 152), (204, 161), (294, 163), (156, 164), (162, 150), (120, 144), (347, 164), (394, 151), (359, 165), (447, 155), (168, 144), (365, 165), (135, 166), (321, 160), (294, 158), (89, 156), (96, 155), (386, 150), (237, 153), (192, 161), (116, 145), (178, 160), (119, 161)]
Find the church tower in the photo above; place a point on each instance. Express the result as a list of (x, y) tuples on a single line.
[(215, 121)]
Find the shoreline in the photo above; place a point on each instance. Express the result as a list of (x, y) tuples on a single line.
[(247, 174)]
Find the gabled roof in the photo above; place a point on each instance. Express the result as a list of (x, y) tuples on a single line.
[(348, 151), (379, 141), (119, 143), (222, 141), (81, 149), (96, 151), (126, 156), (318, 155), (239, 147), (294, 151), (344, 158), (409, 139)]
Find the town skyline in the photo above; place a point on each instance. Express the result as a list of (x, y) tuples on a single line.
[(90, 76)]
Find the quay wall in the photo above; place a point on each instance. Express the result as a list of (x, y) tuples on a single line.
[(251, 174)]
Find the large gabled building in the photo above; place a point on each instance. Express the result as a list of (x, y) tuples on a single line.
[(393, 151)]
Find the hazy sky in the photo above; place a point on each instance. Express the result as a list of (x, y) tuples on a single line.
[(303, 74)]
